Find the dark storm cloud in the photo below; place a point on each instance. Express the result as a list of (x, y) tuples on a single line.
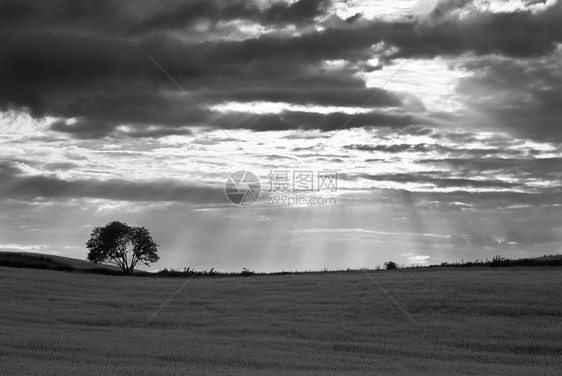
[(286, 120), (323, 95), (311, 120), (434, 179), (110, 81), (88, 60), (94, 128), (435, 148), (146, 16), (514, 34), (522, 95), (495, 202), (533, 2), (297, 12), (500, 164), (396, 148), (60, 166), (17, 185), (546, 170)]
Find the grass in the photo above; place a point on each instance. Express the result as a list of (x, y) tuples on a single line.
[(477, 321)]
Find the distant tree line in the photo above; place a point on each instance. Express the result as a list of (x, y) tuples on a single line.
[(499, 261)]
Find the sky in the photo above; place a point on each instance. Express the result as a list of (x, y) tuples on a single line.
[(414, 131)]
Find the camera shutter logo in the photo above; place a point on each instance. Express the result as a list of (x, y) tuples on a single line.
[(242, 188)]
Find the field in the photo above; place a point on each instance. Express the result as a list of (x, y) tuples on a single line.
[(476, 321)]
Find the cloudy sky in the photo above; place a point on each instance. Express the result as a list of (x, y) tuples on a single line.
[(442, 120)]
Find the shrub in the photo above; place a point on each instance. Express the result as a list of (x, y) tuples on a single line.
[(246, 272), (390, 265)]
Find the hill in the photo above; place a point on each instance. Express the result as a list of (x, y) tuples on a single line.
[(53, 262)]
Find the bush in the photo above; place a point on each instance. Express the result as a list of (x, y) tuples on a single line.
[(246, 272), (390, 265), (499, 261)]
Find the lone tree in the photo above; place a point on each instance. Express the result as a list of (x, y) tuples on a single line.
[(120, 244)]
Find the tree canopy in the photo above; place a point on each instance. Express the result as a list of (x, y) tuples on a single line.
[(123, 245), (390, 265)]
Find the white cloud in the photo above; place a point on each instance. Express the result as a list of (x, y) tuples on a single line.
[(417, 259), (434, 81), (24, 247)]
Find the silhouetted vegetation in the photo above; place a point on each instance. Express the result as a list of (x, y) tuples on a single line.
[(246, 272), (187, 273), (390, 265), (122, 245), (18, 260), (36, 261), (499, 261), (191, 273)]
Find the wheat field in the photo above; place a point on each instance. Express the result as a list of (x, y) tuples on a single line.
[(505, 321)]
